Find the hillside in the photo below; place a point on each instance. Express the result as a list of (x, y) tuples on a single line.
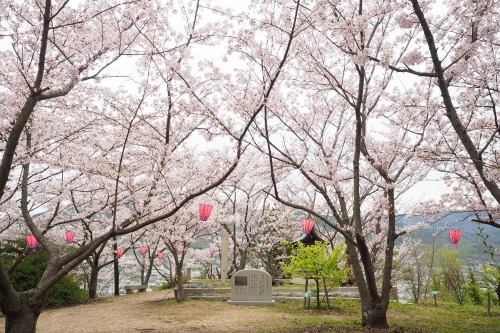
[(470, 246)]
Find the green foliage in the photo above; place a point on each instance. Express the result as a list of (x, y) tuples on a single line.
[(491, 280), (473, 289), (66, 291), (164, 286), (452, 274), (29, 271), (316, 263)]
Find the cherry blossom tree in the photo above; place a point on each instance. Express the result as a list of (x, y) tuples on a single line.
[(83, 146), (338, 133), (254, 224), (455, 56), (177, 236), (206, 260), (145, 251)]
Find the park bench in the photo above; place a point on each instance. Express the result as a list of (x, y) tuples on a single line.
[(131, 289)]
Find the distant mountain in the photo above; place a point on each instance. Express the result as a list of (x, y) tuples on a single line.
[(470, 246)]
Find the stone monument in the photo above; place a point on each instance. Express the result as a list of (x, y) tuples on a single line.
[(251, 287)]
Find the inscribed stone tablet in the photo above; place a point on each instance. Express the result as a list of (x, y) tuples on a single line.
[(251, 285)]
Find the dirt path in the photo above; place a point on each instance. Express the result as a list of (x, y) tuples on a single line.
[(144, 313)]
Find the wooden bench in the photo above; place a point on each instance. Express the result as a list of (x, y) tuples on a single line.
[(140, 289)]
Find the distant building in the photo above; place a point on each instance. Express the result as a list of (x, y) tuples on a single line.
[(310, 238)]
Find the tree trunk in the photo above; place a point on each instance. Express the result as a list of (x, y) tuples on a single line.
[(94, 274), (305, 291), (326, 293), (317, 293), (143, 276), (181, 296), (21, 317), (374, 313), (116, 269), (243, 261), (149, 270), (373, 306)]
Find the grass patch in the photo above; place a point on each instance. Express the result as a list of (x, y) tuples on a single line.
[(345, 316), (447, 317)]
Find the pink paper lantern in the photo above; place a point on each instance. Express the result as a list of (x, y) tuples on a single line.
[(143, 250), (161, 255), (205, 210), (120, 251), (32, 242), (307, 225), (70, 236), (454, 235), (181, 250), (212, 251)]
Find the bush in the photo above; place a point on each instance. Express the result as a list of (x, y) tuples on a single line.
[(29, 271), (453, 276), (164, 286), (65, 292), (473, 289)]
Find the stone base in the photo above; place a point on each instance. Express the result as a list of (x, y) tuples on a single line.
[(257, 303)]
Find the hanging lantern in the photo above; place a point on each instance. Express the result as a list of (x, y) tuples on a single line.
[(120, 251), (161, 255), (205, 210), (143, 250), (70, 236), (181, 250), (212, 251), (31, 241), (455, 236), (307, 225)]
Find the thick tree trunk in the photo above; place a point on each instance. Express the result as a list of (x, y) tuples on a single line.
[(180, 287), (373, 306), (374, 313), (21, 317), (243, 261), (94, 274), (143, 276)]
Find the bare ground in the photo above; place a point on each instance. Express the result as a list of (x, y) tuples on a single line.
[(144, 312), (157, 312)]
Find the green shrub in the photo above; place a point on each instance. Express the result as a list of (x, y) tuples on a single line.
[(29, 271), (164, 286), (473, 289), (65, 292)]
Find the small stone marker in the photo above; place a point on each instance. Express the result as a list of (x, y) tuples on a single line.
[(251, 287)]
